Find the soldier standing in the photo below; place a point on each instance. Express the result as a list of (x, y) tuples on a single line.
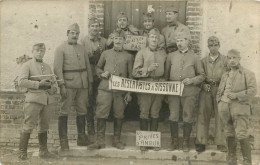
[(94, 45), (185, 66), (117, 62), (38, 100), (174, 26), (148, 22), (236, 90), (71, 65), (149, 66), (214, 66), (122, 27)]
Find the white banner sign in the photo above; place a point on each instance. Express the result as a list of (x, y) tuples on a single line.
[(164, 88), (148, 138), (135, 42)]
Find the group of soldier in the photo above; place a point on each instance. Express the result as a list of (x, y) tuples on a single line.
[(223, 86)]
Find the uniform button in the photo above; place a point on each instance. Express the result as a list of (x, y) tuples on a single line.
[(180, 76), (114, 71)]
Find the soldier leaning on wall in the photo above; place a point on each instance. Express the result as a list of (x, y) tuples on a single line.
[(38, 101), (94, 45), (71, 65)]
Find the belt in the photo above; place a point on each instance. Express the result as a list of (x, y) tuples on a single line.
[(212, 83), (76, 70)]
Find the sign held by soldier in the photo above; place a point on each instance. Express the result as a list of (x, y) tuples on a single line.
[(148, 138), (134, 42), (163, 87)]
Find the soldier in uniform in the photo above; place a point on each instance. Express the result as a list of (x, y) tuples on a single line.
[(71, 65), (236, 90), (183, 65), (149, 66), (174, 26), (117, 62), (38, 100), (214, 66), (148, 22), (95, 45), (122, 27)]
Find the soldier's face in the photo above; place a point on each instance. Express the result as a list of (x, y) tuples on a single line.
[(233, 60), (153, 40), (182, 44), (148, 24), (171, 16), (122, 22), (213, 47), (38, 53), (94, 28), (118, 42), (73, 36)]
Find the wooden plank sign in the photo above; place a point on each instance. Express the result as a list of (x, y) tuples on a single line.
[(135, 42), (148, 138)]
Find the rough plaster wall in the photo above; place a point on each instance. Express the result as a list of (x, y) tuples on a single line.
[(26, 23), (237, 26)]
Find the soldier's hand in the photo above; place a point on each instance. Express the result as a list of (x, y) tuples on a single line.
[(232, 96), (63, 91), (153, 67), (187, 81), (52, 91), (128, 98), (207, 87), (45, 83), (105, 75)]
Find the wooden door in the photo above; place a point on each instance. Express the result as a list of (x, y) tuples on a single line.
[(135, 10)]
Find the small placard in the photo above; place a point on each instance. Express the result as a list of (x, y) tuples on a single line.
[(135, 42), (148, 138)]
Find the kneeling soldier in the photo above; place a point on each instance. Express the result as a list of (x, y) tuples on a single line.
[(149, 66), (185, 66), (38, 101), (117, 62)]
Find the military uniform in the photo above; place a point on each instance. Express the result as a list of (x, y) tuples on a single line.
[(235, 113), (71, 65), (214, 69), (94, 45), (181, 65), (119, 63), (171, 30), (38, 103)]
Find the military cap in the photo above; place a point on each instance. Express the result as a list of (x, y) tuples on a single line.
[(183, 35), (118, 34), (121, 15), (213, 40), (74, 27), (172, 9), (93, 20), (234, 52), (154, 31), (148, 16), (39, 45)]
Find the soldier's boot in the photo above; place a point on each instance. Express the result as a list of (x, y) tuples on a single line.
[(174, 135), (222, 148), (90, 125), (246, 151), (232, 149), (144, 127), (117, 133), (82, 137), (187, 127), (63, 133), (24, 139), (100, 142), (154, 127), (200, 147), (43, 150)]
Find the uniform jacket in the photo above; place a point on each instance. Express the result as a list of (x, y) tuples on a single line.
[(34, 94), (144, 58), (72, 57), (185, 65), (244, 86), (119, 63)]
